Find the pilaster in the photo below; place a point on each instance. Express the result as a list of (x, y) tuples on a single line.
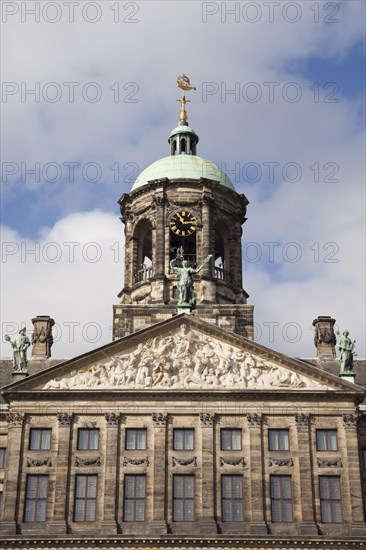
[(358, 526), (208, 524), (59, 521), (11, 490), (158, 523), (159, 202), (130, 245), (109, 523), (308, 524), (258, 520), (206, 231)]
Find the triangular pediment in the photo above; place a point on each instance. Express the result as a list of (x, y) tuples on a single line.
[(183, 353)]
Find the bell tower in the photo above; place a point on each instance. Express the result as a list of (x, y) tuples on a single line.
[(182, 210)]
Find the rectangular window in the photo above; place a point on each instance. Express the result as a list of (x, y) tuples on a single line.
[(2, 457), (88, 439), (232, 498), (363, 459), (85, 497), (136, 439), (330, 499), (278, 440), (281, 499), (40, 439), (35, 498), (183, 439), (230, 440), (183, 498), (326, 440), (134, 501)]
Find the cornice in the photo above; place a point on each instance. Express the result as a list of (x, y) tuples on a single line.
[(119, 542)]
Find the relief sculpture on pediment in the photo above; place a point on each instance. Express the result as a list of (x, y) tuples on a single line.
[(185, 359)]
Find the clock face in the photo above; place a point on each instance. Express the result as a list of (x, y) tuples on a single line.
[(183, 223)]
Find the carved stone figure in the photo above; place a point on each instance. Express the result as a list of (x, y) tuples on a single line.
[(42, 338), (88, 461), (207, 419), (162, 373), (334, 463), (143, 377), (302, 419), (280, 461), (20, 345), (346, 348), (159, 419), (185, 359), (135, 461), (185, 284), (350, 421), (39, 335), (211, 379), (64, 419), (232, 461), (112, 418), (324, 337), (15, 419), (182, 462), (254, 419), (36, 463)]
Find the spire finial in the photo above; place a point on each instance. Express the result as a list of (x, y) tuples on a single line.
[(184, 84)]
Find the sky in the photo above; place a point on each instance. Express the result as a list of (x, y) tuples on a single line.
[(88, 101)]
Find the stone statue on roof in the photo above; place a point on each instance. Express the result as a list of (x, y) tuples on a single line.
[(20, 345), (347, 351)]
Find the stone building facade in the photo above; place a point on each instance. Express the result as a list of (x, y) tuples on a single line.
[(183, 432)]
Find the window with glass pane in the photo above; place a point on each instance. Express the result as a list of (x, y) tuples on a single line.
[(2, 457), (136, 439), (330, 499), (134, 498), (326, 440), (85, 497), (278, 440), (183, 439), (183, 498), (88, 439), (40, 439), (230, 440), (281, 499), (35, 498), (232, 498)]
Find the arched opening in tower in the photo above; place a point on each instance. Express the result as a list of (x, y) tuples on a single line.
[(143, 251), (184, 247), (222, 251)]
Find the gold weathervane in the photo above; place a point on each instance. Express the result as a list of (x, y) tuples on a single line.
[(184, 84)]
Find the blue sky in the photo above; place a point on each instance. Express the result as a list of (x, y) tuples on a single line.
[(300, 161)]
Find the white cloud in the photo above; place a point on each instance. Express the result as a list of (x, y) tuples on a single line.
[(72, 272)]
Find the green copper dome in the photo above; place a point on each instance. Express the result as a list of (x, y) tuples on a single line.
[(183, 166)]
